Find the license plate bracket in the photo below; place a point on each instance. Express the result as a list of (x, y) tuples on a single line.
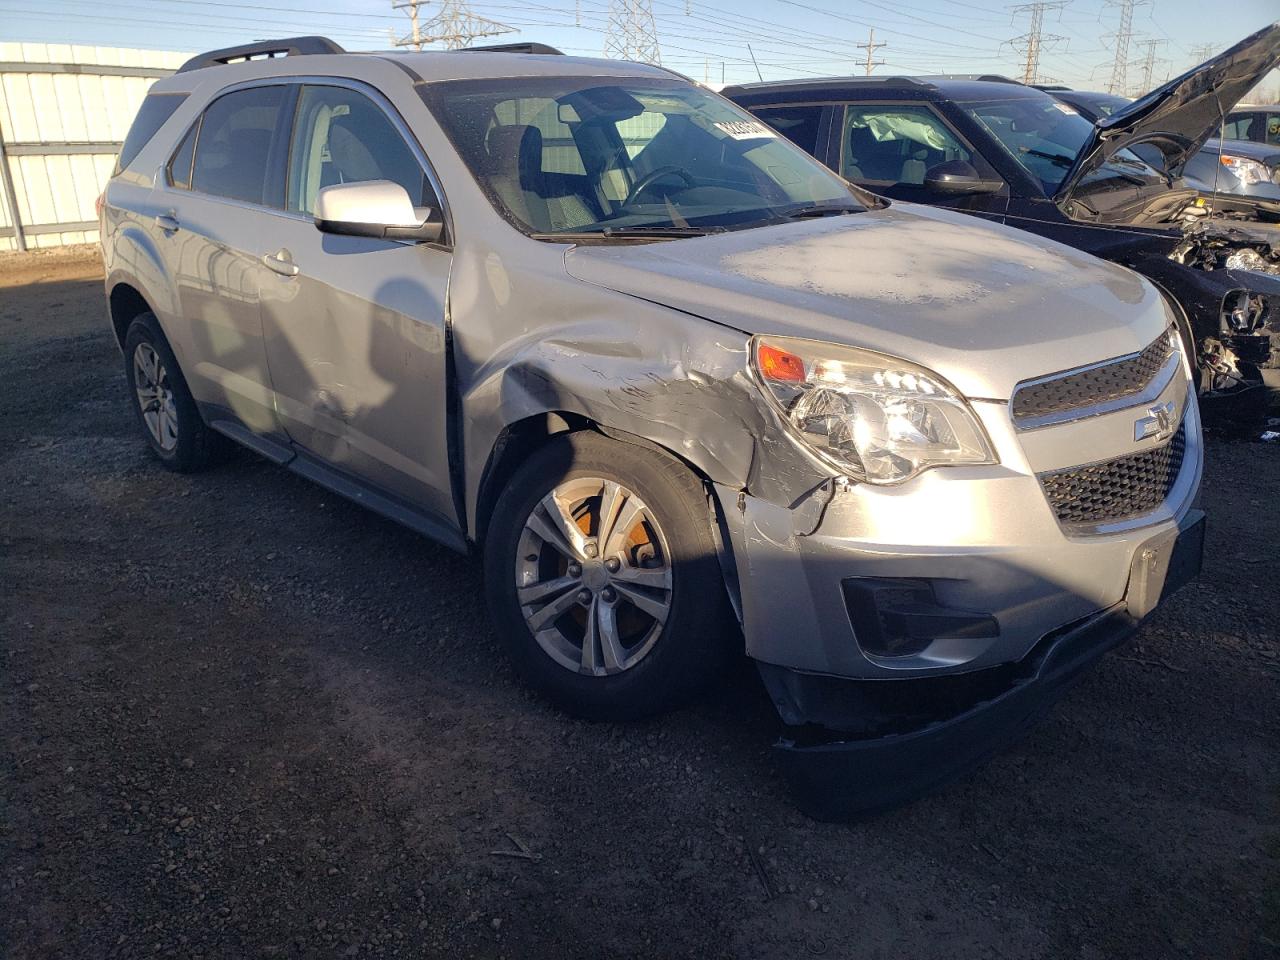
[(1165, 564)]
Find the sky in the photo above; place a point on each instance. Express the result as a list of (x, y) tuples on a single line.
[(716, 40)]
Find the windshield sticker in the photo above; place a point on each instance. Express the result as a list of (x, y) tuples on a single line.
[(745, 130), (1065, 109)]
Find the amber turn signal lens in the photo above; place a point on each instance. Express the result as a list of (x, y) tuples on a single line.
[(778, 364)]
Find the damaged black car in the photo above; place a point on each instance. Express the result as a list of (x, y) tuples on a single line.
[(1020, 156)]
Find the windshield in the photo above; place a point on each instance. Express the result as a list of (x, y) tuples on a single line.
[(574, 155), (1042, 134)]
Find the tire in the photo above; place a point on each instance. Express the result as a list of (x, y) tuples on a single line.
[(169, 418), (631, 671)]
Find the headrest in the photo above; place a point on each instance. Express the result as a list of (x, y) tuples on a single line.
[(515, 151)]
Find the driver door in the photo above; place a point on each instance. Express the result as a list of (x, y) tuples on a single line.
[(355, 327)]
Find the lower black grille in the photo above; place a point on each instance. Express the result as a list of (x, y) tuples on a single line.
[(1116, 489)]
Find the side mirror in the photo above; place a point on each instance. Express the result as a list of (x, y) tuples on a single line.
[(959, 176), (375, 208)]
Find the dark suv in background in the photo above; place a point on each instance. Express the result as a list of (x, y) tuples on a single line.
[(1018, 155)]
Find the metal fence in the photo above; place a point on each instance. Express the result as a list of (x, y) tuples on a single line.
[(64, 110)]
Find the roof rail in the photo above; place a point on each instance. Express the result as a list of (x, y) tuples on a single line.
[(289, 47), (538, 48)]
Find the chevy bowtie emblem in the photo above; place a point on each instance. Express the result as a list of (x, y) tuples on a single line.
[(1159, 422)]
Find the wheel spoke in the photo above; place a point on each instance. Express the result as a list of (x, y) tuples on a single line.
[(571, 539), (605, 624), (628, 517), (551, 611), (659, 579), (644, 602), (612, 499), (591, 639), (546, 590)]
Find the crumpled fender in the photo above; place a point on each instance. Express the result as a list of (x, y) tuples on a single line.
[(678, 380)]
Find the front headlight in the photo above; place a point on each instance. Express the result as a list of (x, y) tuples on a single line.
[(873, 417), (1246, 171)]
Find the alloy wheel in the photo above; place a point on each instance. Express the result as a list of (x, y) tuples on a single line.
[(593, 576), (155, 396)]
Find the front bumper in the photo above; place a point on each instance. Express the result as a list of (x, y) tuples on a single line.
[(992, 605), (835, 777)]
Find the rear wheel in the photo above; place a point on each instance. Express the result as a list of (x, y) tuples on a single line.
[(166, 410), (603, 578)]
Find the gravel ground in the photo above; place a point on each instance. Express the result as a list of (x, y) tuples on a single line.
[(243, 718)]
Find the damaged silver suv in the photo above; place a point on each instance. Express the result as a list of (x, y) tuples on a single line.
[(682, 384)]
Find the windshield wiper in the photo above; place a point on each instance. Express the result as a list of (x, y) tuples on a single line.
[(630, 233), (1058, 159), (821, 210)]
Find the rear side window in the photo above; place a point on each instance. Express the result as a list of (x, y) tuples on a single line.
[(800, 125), (155, 110), (233, 149)]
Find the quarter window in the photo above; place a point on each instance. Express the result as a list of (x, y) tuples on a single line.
[(232, 157), (895, 144), (155, 110), (341, 136)]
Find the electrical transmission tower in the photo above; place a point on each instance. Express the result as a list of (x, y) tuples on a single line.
[(1122, 36), (1149, 64), (1202, 52), (455, 25), (1034, 41), (632, 34), (871, 47)]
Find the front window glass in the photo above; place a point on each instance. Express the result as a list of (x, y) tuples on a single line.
[(594, 155), (341, 136), (895, 144)]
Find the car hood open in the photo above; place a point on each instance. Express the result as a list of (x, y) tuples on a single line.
[(1180, 116), (985, 306)]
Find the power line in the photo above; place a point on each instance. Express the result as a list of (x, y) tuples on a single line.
[(455, 25), (632, 33), (1034, 40), (871, 46)]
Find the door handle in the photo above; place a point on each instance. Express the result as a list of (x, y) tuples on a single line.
[(281, 262), (167, 222)]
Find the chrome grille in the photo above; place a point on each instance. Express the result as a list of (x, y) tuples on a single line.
[(1118, 489), (1093, 386)]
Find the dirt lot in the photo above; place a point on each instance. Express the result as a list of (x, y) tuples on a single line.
[(243, 718)]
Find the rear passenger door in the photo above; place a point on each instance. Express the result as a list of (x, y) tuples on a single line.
[(355, 327), (890, 148), (217, 194)]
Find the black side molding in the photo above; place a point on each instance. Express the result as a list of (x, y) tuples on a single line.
[(287, 47)]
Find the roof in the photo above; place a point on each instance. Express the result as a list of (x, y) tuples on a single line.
[(317, 55), (916, 88)]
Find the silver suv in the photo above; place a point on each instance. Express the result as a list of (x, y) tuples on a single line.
[(682, 385)]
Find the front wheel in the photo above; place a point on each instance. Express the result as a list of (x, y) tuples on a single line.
[(603, 578)]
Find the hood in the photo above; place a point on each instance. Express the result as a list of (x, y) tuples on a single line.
[(1180, 116), (983, 305), (1268, 153)]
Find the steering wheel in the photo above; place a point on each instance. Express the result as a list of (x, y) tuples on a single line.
[(655, 175)]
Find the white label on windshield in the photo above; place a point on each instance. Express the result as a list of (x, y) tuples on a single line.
[(745, 130), (1065, 109)]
